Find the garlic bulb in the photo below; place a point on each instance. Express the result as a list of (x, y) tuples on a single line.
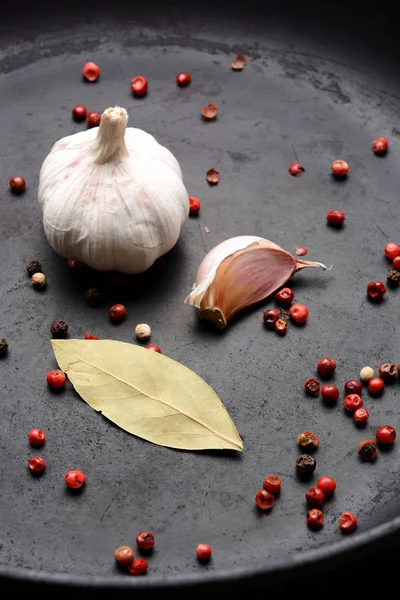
[(239, 273), (112, 197)]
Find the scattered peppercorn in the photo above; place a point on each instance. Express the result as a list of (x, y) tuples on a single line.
[(17, 184), (56, 379), (93, 297), (59, 329), (37, 437), (79, 112), (385, 435), (366, 373), (93, 119), (75, 264), (138, 567), (299, 313), (89, 336), (315, 518), (203, 552), (327, 485), (312, 386), (367, 450), (326, 366), (305, 465), (352, 402), (301, 251), (117, 313), (264, 500), (74, 479), (347, 522), (296, 168), (33, 267), (183, 79), (36, 464), (308, 440), (353, 386), (270, 317), (315, 497), (340, 168), (272, 484), (330, 393), (91, 72), (388, 371), (194, 206), (376, 290), (380, 145), (3, 347), (39, 281), (145, 540), (393, 277), (335, 218), (281, 326), (124, 555), (396, 263), (212, 176), (284, 296), (154, 348), (376, 386), (139, 85), (238, 63), (209, 112), (143, 332), (391, 250), (361, 416)]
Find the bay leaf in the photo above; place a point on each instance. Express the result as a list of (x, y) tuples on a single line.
[(147, 394)]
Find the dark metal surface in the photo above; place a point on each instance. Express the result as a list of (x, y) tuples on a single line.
[(306, 93)]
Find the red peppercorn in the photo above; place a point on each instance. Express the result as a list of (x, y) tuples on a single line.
[(335, 218), (340, 168), (392, 250), (154, 348), (385, 435), (299, 313), (17, 184), (264, 500), (75, 264), (37, 437), (139, 85), (284, 296), (327, 485), (124, 555), (330, 393), (183, 79), (301, 251), (93, 119), (281, 326), (308, 440), (117, 313), (91, 71), (36, 464), (396, 263), (270, 317), (347, 521), (315, 497), (352, 386), (194, 204), (89, 336), (376, 290), (56, 379), (312, 386), (138, 567), (272, 484), (203, 552), (376, 386), (380, 145), (315, 518), (326, 366), (74, 479), (79, 112), (145, 540), (361, 416), (352, 402), (387, 371), (367, 450), (296, 168)]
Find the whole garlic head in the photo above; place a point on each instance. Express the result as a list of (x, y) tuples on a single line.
[(112, 197)]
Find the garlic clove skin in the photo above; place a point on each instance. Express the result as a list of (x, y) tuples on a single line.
[(112, 197), (239, 273)]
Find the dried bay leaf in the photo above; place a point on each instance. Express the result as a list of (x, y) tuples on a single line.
[(147, 394)]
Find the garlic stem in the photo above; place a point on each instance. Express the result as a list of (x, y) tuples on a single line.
[(303, 264), (110, 141)]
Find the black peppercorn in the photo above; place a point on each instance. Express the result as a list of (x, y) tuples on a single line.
[(3, 346), (305, 465), (59, 329), (34, 267), (93, 297), (367, 450), (388, 371), (393, 278)]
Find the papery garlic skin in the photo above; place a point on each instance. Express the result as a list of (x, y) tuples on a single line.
[(112, 197)]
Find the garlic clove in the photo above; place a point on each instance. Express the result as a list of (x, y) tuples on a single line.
[(240, 273)]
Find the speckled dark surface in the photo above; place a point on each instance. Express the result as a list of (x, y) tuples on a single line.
[(302, 96)]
